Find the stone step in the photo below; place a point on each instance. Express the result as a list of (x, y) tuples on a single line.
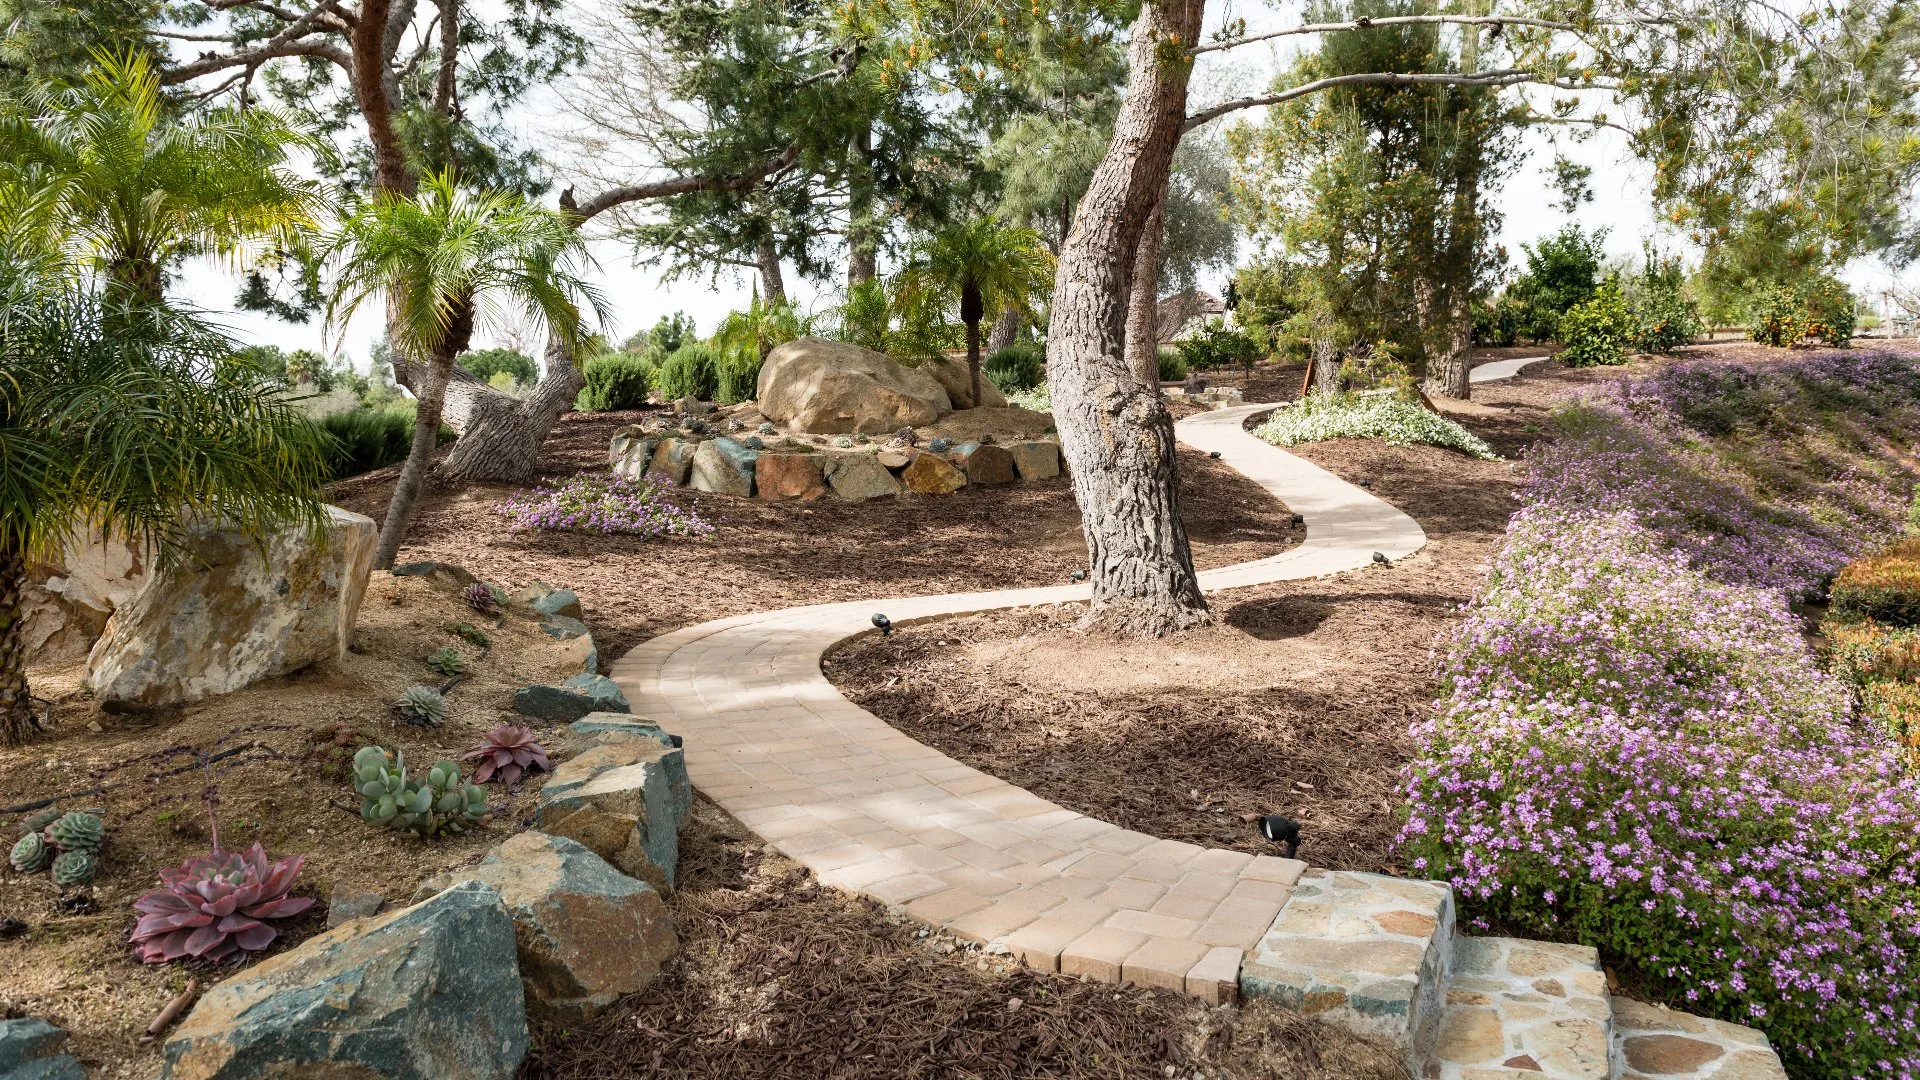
[(1655, 1043), (1523, 1010), (1366, 952)]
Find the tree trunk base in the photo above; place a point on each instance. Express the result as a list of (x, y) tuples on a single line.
[(1132, 617)]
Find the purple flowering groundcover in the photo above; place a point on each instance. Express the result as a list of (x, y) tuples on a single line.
[(1637, 749)]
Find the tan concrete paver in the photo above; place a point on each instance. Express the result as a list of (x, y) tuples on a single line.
[(870, 810)]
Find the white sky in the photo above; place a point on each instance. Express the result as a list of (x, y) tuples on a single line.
[(1620, 183)]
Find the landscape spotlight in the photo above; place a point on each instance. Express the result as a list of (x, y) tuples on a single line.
[(1215, 454), (1281, 830), (1076, 575), (885, 624), (1381, 559)]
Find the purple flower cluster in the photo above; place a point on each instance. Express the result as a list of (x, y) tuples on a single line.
[(604, 503), (1636, 748)]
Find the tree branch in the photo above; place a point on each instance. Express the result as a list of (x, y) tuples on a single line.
[(1497, 77), (1495, 21), (679, 185), (285, 43)]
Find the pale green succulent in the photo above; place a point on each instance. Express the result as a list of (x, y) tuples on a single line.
[(30, 854), (74, 868), (446, 662), (440, 802), (77, 831)]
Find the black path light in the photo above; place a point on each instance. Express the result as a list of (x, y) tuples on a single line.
[(1214, 454), (885, 624), (1076, 575), (1381, 559), (1281, 830)]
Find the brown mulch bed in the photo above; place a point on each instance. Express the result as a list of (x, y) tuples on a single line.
[(771, 555), (1298, 701), (780, 978)]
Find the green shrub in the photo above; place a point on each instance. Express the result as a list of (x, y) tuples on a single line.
[(486, 363), (1664, 317), (1218, 346), (1017, 368), (362, 440), (1497, 323), (1173, 366), (1883, 587), (738, 376), (1597, 330), (692, 370), (1390, 416), (616, 381)]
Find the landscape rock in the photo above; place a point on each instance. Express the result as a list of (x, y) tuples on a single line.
[(66, 604), (598, 729), (894, 459), (789, 476), (563, 627), (673, 458), (723, 467), (548, 601), (624, 798), (986, 464), (835, 388), (428, 992), (955, 377), (630, 453), (587, 934), (1006, 424), (575, 697), (1035, 460), (346, 906), (232, 615), (440, 573), (931, 474), (858, 476), (29, 1050)]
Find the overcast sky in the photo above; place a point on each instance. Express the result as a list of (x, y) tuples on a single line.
[(638, 297)]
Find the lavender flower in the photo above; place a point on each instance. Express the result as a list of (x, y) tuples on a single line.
[(606, 504)]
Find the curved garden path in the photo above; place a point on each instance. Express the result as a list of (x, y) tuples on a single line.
[(872, 811)]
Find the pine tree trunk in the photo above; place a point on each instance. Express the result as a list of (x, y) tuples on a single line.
[(413, 475), (863, 232), (1447, 373), (16, 707), (1006, 330), (773, 286), (500, 437), (1143, 306), (1114, 429)]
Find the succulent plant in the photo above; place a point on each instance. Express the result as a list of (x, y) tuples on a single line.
[(421, 706), (39, 821), (467, 632), (31, 854), (509, 753), (440, 802), (479, 597), (74, 868), (212, 906), (446, 662), (77, 831)]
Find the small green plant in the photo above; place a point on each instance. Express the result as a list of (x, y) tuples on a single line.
[(69, 843), (468, 633), (421, 706), (1017, 368), (440, 802), (617, 381), (446, 662), (1038, 399), (1219, 346), (1173, 366), (1372, 415), (1598, 330)]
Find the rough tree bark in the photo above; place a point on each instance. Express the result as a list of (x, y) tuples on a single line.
[(863, 232), (773, 286), (1143, 304), (16, 706), (973, 308), (1114, 429), (1006, 329)]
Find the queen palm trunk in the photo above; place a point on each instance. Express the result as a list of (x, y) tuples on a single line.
[(16, 707), (973, 308), (1114, 428)]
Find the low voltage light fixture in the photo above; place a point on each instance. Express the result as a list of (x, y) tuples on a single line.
[(885, 624), (1281, 830), (1381, 559)]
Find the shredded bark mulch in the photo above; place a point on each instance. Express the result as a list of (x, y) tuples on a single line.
[(779, 977)]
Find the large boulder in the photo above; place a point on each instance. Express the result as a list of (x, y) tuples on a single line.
[(856, 476), (789, 476), (673, 459), (66, 604), (834, 388), (30, 1050), (231, 614), (630, 451), (724, 467), (1035, 460), (985, 464), (428, 992), (575, 697), (931, 474), (588, 935), (625, 798), (957, 379)]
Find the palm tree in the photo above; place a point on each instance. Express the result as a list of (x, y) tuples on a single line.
[(139, 188), (447, 260), (990, 266), (122, 416)]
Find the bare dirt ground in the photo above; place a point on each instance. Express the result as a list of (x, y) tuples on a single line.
[(1296, 702)]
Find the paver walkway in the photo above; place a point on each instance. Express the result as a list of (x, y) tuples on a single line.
[(1500, 369), (870, 810)]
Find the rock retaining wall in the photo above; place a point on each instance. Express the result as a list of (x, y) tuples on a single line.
[(748, 466)]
